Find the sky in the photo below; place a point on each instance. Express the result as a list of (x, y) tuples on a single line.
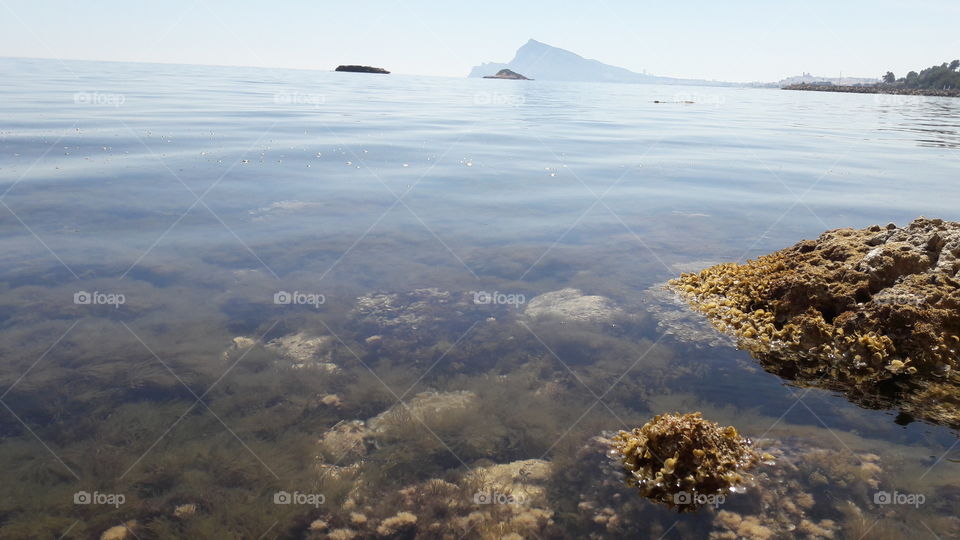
[(735, 40)]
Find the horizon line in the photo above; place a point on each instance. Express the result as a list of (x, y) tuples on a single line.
[(333, 70)]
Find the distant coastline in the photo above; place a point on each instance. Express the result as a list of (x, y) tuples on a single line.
[(874, 89)]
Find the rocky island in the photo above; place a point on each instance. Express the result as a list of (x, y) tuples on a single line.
[(544, 62), (508, 74), (362, 69), (873, 313)]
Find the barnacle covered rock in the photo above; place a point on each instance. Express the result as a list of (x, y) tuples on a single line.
[(871, 312), (684, 460)]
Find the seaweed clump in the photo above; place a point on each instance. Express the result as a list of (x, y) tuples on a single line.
[(685, 461), (874, 312)]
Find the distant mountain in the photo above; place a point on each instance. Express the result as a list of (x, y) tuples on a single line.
[(543, 62)]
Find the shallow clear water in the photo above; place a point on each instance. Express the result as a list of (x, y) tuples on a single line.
[(199, 193)]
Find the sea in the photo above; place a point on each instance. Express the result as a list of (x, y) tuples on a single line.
[(260, 303)]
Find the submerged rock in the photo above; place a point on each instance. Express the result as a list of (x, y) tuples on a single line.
[(410, 310), (346, 442), (798, 498), (685, 461), (402, 523), (572, 305), (305, 351), (521, 482), (120, 532), (184, 511), (873, 312), (239, 345), (349, 442), (422, 407)]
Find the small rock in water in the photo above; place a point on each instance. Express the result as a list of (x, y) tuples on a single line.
[(120, 532), (185, 510)]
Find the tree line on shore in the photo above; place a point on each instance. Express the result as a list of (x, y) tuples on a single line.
[(942, 77)]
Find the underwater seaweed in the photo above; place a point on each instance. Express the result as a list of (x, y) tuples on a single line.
[(680, 460)]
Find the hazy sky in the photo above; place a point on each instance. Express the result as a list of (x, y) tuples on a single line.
[(736, 40)]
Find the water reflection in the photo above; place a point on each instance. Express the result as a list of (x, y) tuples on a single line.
[(932, 122)]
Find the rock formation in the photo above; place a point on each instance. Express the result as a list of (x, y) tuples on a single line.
[(362, 69), (874, 313)]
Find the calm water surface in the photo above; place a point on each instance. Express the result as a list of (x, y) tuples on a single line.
[(151, 214)]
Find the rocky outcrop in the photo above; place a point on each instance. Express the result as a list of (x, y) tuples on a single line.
[(362, 69), (508, 74), (873, 312)]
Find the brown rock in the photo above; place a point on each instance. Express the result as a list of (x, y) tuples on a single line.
[(858, 311)]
